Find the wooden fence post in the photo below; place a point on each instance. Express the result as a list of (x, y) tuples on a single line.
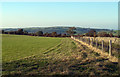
[(89, 41), (110, 47), (102, 45), (92, 41), (96, 43)]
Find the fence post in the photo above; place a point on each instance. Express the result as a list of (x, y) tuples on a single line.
[(96, 43), (102, 45), (89, 41), (92, 41), (110, 47), (86, 40)]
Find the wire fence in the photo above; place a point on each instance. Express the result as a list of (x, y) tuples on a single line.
[(111, 48)]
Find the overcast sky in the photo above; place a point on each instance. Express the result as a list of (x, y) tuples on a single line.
[(41, 14)]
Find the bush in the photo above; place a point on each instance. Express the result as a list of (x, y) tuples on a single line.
[(54, 34), (111, 35), (20, 32), (2, 32), (91, 33), (63, 35), (87, 34), (103, 34), (39, 33)]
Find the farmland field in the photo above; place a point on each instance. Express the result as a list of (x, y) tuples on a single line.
[(16, 47), (29, 55)]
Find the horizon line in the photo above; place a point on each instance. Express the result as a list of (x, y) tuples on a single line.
[(53, 26)]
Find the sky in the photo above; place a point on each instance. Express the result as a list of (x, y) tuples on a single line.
[(102, 15), (59, 0)]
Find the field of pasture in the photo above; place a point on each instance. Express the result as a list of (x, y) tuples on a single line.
[(29, 55), (15, 47)]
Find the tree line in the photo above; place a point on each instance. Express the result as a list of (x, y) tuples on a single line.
[(39, 33), (69, 32), (93, 33)]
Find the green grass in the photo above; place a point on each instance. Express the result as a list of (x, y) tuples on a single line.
[(55, 48), (65, 57), (15, 47)]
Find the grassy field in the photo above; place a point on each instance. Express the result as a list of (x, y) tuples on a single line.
[(61, 57), (16, 47)]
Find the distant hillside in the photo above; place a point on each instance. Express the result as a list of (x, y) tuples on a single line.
[(59, 30)]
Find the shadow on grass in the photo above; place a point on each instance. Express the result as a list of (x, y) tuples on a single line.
[(22, 66), (89, 67), (43, 68)]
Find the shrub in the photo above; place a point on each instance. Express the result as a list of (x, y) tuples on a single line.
[(92, 33), (54, 34), (63, 35), (103, 34), (39, 33), (20, 32), (111, 35)]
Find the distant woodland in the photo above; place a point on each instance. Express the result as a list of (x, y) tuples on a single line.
[(61, 31)]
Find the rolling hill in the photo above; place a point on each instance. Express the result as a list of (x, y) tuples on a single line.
[(59, 30)]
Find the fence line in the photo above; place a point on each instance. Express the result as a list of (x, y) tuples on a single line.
[(110, 47), (95, 43)]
